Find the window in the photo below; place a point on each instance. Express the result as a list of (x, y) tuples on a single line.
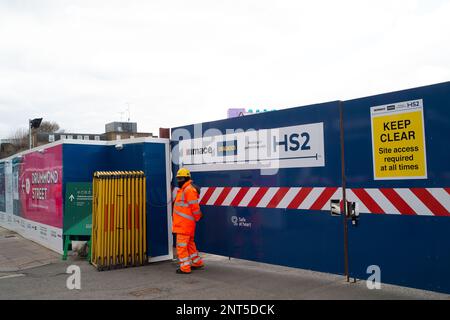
[(118, 137), (80, 137), (131, 137), (86, 137), (51, 138), (63, 137), (70, 136), (97, 138)]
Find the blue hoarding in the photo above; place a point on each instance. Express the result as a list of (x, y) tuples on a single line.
[(266, 183), (404, 222), (81, 161), (395, 170)]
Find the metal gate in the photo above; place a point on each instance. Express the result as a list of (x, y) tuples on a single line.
[(119, 219)]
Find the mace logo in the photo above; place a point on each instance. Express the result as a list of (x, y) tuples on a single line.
[(199, 151), (235, 220)]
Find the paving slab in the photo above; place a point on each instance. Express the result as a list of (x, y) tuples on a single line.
[(18, 253)]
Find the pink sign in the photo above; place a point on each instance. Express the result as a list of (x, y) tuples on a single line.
[(236, 112), (40, 187)]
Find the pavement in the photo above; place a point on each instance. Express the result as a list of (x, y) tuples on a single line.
[(30, 271), (17, 253)]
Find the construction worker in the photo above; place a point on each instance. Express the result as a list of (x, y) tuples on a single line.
[(186, 212)]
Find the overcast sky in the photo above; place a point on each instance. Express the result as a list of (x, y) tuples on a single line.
[(178, 62)]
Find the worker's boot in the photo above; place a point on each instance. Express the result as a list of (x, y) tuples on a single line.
[(197, 263), (198, 267), (179, 271)]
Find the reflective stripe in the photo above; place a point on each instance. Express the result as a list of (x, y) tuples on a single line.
[(196, 260), (193, 201), (181, 244), (186, 264), (197, 212), (182, 196), (181, 204), (194, 255), (183, 215), (184, 259)]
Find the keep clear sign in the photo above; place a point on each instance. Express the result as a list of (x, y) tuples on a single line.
[(398, 141)]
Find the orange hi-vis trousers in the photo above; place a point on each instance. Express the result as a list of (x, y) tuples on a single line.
[(187, 253)]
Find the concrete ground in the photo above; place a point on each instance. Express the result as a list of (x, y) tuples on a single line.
[(29, 271)]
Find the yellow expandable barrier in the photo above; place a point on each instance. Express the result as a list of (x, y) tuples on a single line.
[(119, 233)]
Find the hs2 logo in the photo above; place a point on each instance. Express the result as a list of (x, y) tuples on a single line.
[(294, 142)]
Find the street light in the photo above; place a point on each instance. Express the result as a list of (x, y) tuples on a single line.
[(34, 124)]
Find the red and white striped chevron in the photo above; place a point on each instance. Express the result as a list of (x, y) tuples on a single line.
[(403, 201)]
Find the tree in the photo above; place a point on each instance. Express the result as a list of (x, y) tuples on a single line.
[(18, 140), (48, 127)]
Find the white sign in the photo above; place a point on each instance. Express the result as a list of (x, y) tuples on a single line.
[(299, 146)]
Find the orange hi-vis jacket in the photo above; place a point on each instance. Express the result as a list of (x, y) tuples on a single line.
[(186, 210)]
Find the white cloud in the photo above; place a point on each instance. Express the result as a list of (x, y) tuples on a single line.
[(180, 62)]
